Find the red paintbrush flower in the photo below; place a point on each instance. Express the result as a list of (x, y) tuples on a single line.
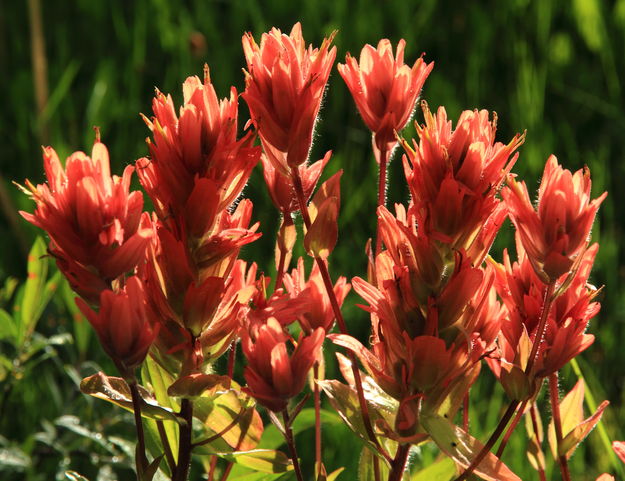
[(95, 224), (273, 376), (522, 292), (197, 167), (123, 324), (454, 176), (556, 233), (284, 85), (384, 88), (318, 311)]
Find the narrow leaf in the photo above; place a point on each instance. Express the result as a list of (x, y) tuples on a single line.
[(116, 391), (463, 448)]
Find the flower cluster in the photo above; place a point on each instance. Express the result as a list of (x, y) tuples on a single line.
[(171, 284)]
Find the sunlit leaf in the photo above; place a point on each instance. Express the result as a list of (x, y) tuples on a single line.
[(8, 329), (574, 427), (116, 391), (463, 448), (74, 476), (366, 467), (233, 414), (262, 460), (442, 470), (33, 293)]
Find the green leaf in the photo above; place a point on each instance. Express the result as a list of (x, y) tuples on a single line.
[(442, 470), (463, 448), (366, 467), (116, 391), (261, 460), (345, 400), (33, 287), (82, 329), (231, 413), (158, 380), (8, 329)]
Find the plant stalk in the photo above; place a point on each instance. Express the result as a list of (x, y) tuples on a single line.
[(382, 159), (327, 282), (491, 441), (317, 399), (141, 461), (511, 428), (542, 324), (557, 422), (184, 445), (399, 463), (288, 434)]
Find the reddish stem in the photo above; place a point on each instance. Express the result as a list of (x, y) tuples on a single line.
[(399, 463), (542, 325), (286, 221), (142, 460), (184, 445), (557, 422), (511, 429), (534, 416), (382, 159), (491, 441), (327, 282), (288, 434), (317, 398), (465, 412)]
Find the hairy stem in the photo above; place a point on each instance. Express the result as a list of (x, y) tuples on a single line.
[(317, 399), (542, 324), (184, 445), (288, 434), (491, 441), (327, 282), (399, 463), (557, 422), (382, 159), (141, 459), (511, 428)]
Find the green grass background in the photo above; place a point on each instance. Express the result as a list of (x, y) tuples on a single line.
[(553, 67)]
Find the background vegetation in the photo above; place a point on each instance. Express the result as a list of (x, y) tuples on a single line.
[(553, 67)]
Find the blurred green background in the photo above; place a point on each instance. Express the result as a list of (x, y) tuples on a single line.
[(553, 67)]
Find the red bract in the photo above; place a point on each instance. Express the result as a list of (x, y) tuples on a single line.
[(557, 232), (280, 186), (522, 292), (95, 224), (197, 167), (123, 324), (273, 376), (284, 86), (318, 312), (454, 176), (384, 88)]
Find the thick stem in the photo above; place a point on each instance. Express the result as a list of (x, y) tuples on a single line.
[(491, 441), (534, 417), (317, 399), (327, 282), (184, 445), (142, 460), (557, 422), (511, 429), (542, 324), (382, 159), (288, 434), (399, 463)]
